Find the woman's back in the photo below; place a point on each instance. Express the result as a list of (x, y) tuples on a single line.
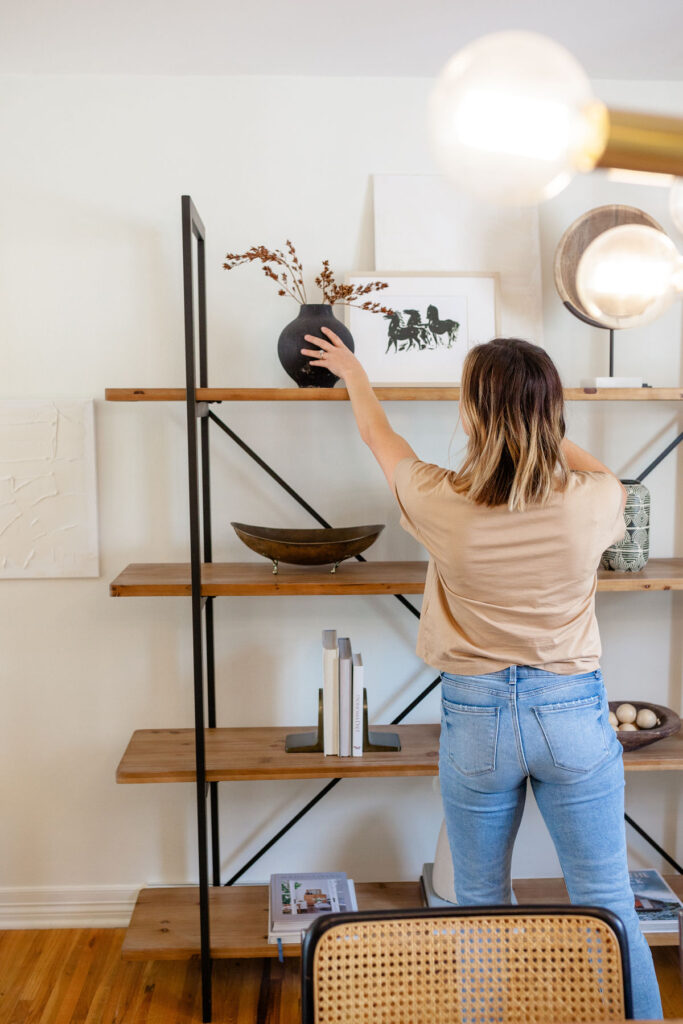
[(509, 587)]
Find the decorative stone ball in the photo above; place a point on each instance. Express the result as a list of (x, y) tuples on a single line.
[(646, 718), (626, 713)]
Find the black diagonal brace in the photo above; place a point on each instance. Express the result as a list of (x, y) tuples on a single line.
[(655, 845), (655, 462)]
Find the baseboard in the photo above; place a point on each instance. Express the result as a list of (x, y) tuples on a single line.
[(68, 906)]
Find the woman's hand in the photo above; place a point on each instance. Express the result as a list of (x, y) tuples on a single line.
[(332, 353)]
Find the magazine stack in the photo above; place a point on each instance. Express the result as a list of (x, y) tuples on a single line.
[(657, 905), (295, 900)]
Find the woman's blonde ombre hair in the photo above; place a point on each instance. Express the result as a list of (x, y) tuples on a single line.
[(511, 398)]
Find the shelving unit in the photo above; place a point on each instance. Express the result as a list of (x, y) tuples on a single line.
[(213, 921)]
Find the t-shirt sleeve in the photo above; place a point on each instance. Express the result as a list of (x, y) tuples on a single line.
[(612, 499), (414, 484)]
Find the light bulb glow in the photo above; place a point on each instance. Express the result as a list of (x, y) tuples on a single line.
[(676, 203), (629, 275), (512, 125), (512, 118)]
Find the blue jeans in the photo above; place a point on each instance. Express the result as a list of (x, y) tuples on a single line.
[(499, 729)]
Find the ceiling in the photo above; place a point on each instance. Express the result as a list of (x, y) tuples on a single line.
[(623, 39)]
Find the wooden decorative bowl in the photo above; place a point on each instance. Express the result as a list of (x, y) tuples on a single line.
[(670, 723), (307, 547)]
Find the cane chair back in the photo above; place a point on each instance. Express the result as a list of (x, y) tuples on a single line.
[(468, 965)]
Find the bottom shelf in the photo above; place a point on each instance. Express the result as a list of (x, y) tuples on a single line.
[(165, 922)]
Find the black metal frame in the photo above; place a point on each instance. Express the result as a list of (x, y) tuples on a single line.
[(202, 607), (330, 921)]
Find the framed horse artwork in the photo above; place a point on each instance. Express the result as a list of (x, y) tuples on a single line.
[(435, 318)]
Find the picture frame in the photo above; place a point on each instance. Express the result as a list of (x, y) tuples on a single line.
[(438, 317)]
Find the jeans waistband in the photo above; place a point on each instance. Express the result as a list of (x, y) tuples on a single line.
[(513, 673)]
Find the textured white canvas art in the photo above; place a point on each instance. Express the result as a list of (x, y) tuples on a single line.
[(48, 502), (422, 223)]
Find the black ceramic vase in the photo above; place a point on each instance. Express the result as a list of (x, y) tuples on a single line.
[(309, 321)]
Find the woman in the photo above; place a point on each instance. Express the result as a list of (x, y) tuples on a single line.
[(508, 617)]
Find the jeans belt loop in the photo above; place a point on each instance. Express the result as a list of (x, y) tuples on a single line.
[(513, 675)]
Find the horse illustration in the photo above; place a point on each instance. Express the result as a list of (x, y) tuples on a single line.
[(412, 333), (438, 327)]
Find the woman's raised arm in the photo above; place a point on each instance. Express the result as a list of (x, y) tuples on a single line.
[(386, 445)]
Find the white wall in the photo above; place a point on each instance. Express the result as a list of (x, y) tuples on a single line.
[(91, 297)]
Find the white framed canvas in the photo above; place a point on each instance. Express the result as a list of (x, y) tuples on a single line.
[(423, 223), (436, 318), (48, 500)]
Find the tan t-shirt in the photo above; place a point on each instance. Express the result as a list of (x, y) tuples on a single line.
[(509, 588)]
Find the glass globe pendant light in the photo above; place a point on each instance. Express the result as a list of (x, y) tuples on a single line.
[(676, 203), (629, 275), (512, 119)]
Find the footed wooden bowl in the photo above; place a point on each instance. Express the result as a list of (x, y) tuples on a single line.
[(307, 547), (670, 723)]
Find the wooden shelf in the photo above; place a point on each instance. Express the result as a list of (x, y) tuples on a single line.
[(247, 579), (241, 754), (385, 394), (165, 922), (252, 579)]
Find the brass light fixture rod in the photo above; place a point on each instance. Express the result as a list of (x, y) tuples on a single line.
[(644, 142)]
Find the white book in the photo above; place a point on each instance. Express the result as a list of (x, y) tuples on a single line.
[(345, 685), (295, 900), (330, 692), (656, 904), (357, 706)]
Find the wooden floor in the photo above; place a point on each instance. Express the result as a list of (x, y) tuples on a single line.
[(76, 976)]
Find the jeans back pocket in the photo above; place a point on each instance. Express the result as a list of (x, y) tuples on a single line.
[(574, 733), (471, 736)]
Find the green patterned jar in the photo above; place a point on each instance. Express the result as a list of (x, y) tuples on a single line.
[(631, 553)]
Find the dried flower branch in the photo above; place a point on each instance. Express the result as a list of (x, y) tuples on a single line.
[(290, 279)]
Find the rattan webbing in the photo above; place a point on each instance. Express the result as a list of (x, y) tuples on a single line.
[(469, 970)]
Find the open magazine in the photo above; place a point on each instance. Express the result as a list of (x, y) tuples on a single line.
[(657, 904), (295, 900)]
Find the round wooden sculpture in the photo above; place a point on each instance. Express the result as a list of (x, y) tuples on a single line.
[(576, 240)]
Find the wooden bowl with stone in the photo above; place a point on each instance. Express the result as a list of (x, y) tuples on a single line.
[(669, 723), (307, 547)]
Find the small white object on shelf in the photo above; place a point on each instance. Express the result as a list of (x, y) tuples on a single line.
[(345, 684), (330, 692), (612, 382), (357, 706)]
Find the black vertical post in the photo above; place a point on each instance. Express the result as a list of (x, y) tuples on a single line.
[(193, 227), (611, 351), (208, 555)]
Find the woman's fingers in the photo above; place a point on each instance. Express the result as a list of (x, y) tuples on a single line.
[(334, 338), (320, 342)]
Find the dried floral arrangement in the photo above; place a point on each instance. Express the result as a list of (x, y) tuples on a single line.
[(287, 272)]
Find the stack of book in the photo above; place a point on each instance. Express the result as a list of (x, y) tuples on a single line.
[(656, 903), (295, 900), (342, 697)]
